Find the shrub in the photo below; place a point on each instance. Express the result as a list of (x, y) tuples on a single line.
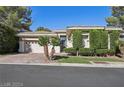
[(111, 51), (95, 39), (86, 51), (70, 50), (101, 52), (104, 39), (98, 39), (114, 37), (77, 39)]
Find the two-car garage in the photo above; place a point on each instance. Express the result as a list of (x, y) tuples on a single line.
[(28, 43)]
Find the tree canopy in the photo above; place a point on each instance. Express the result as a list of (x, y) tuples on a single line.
[(117, 18), (55, 41), (8, 40), (43, 40), (17, 17), (12, 20), (43, 29)]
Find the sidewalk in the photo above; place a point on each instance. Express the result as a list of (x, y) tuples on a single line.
[(110, 65)]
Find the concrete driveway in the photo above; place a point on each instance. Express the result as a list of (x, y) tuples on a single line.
[(23, 58)]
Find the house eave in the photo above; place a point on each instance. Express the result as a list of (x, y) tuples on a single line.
[(93, 27), (36, 34)]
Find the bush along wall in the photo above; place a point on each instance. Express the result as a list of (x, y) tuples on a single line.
[(70, 50), (86, 51), (104, 39), (98, 39), (114, 40), (77, 40), (98, 52), (101, 52), (98, 43), (95, 39)]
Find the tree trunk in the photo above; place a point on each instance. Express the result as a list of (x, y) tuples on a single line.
[(46, 52), (52, 53), (77, 53)]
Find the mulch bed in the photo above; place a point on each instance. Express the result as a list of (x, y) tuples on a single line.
[(101, 62)]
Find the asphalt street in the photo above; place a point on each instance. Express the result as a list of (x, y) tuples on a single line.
[(58, 76)]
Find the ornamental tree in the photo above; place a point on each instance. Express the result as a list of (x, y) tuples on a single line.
[(43, 41)]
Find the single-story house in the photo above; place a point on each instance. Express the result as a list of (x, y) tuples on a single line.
[(28, 41)]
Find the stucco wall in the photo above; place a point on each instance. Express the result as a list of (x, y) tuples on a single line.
[(86, 40), (69, 42)]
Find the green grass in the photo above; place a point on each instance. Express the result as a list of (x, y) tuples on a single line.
[(73, 60), (85, 60), (103, 59)]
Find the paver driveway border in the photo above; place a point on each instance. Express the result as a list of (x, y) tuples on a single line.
[(22, 58)]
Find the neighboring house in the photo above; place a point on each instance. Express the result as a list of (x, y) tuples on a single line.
[(28, 41)]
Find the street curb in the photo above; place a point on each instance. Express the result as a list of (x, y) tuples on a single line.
[(70, 65)]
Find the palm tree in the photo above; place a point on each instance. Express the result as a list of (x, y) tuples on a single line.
[(55, 42), (43, 41)]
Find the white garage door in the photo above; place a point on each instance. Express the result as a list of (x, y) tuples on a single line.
[(36, 48)]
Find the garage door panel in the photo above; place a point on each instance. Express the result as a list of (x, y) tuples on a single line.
[(36, 48)]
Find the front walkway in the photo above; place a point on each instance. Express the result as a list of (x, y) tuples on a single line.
[(22, 58)]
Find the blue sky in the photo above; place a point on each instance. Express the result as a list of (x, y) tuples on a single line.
[(58, 17)]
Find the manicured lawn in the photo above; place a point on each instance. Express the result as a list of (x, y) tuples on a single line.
[(86, 60), (73, 60), (103, 59)]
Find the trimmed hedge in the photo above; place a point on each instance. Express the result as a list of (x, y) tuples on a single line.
[(104, 52), (70, 50), (95, 39), (104, 39), (98, 39), (77, 39), (86, 51), (100, 52), (90, 52), (111, 51), (114, 38)]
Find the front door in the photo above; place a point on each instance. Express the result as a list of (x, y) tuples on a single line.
[(62, 42)]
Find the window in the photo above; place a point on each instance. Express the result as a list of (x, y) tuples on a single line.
[(121, 36), (85, 36)]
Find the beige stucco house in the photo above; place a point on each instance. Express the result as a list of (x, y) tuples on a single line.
[(28, 41)]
